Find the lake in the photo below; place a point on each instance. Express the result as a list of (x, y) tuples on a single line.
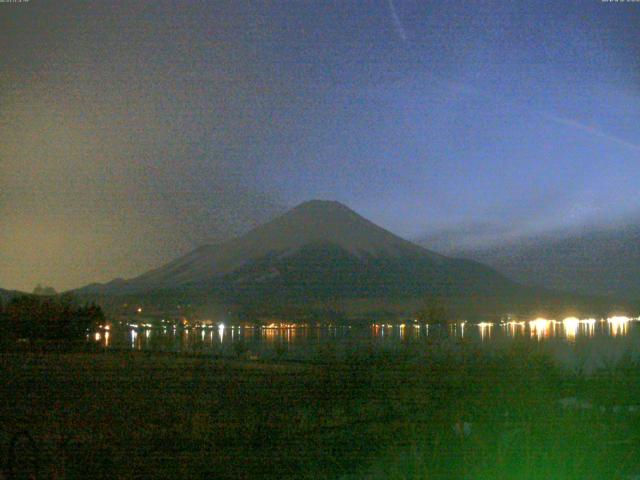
[(574, 342)]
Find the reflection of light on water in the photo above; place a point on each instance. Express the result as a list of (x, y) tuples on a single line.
[(455, 329), (590, 326), (485, 329), (574, 330), (379, 330), (515, 328), (618, 325), (571, 325), (539, 328), (288, 334), (270, 335), (97, 336)]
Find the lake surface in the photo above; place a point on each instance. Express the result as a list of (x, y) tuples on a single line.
[(586, 343)]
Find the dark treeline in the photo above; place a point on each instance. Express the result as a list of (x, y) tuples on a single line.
[(59, 318)]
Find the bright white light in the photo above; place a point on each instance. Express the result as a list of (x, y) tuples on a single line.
[(539, 327), (618, 325), (571, 327), (485, 329)]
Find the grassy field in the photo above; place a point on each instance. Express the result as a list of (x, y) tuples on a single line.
[(460, 414)]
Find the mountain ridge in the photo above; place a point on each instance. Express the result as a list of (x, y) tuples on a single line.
[(320, 253), (599, 261), (313, 223)]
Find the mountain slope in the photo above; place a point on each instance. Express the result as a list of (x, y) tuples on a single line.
[(318, 249), (309, 223), (596, 262)]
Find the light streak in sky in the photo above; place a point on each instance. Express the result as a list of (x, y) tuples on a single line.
[(594, 131), (402, 33)]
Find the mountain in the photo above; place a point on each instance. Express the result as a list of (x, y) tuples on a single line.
[(599, 261), (322, 251)]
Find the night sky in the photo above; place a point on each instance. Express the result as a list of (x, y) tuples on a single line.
[(131, 132)]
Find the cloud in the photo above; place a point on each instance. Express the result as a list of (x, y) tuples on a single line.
[(99, 181)]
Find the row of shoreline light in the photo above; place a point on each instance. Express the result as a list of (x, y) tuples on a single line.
[(540, 324), (541, 327), (538, 328)]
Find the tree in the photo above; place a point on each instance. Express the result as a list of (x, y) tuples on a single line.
[(49, 318), (4, 330), (46, 291)]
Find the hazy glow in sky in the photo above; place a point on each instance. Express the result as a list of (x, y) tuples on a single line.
[(133, 131)]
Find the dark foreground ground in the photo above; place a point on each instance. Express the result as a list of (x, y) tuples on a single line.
[(456, 415)]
